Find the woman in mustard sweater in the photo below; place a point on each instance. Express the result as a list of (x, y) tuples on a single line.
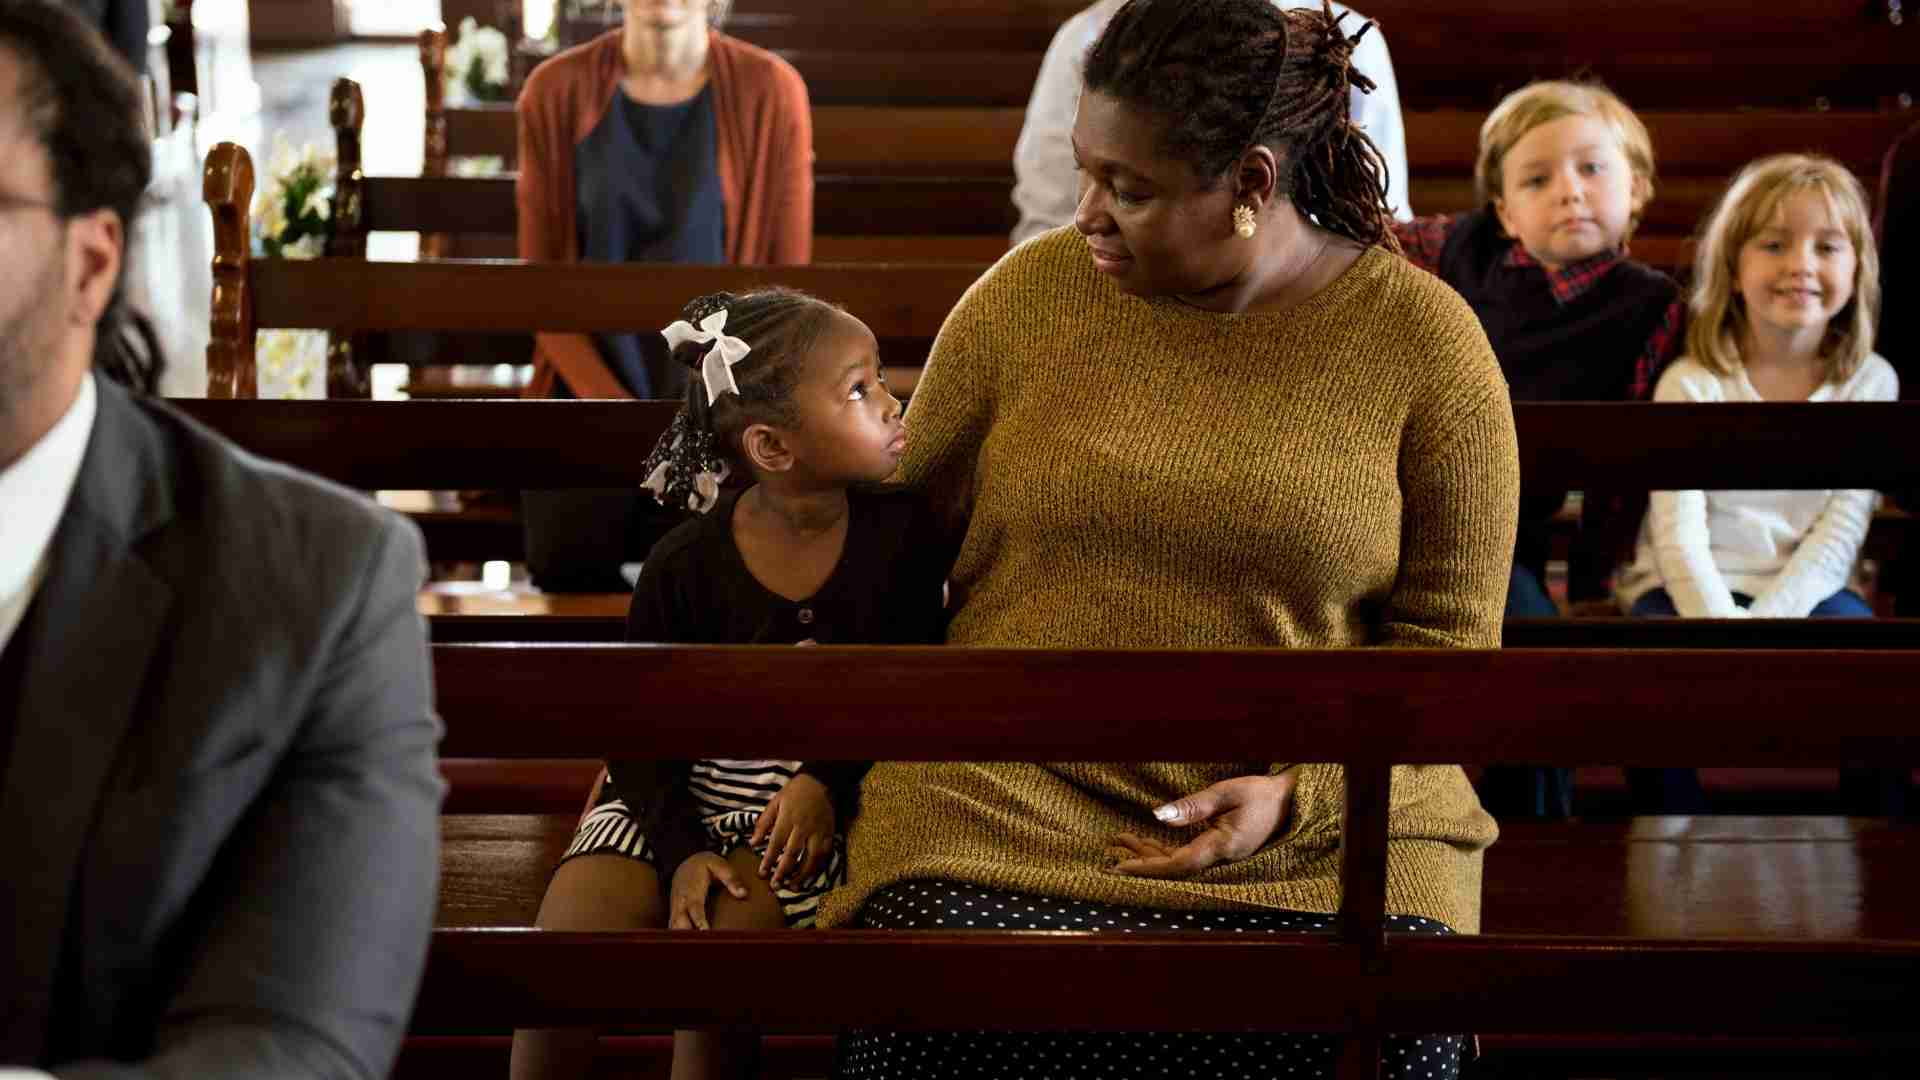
[(1215, 412)]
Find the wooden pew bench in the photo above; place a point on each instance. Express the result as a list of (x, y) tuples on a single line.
[(1782, 878), (904, 304), (467, 444), (947, 172), (436, 445), (486, 786), (934, 184), (1802, 929), (1450, 53)]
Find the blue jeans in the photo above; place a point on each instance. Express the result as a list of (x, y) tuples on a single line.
[(1678, 791), (1527, 791), (1845, 604)]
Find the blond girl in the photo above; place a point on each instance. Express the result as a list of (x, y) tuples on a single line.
[(1785, 295)]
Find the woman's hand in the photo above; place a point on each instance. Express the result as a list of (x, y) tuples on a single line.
[(1241, 815), (800, 821), (687, 899)]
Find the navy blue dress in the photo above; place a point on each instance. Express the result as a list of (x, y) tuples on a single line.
[(647, 185)]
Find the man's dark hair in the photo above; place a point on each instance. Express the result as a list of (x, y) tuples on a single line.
[(84, 103), (1228, 75)]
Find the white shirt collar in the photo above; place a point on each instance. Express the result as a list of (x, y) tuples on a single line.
[(35, 490)]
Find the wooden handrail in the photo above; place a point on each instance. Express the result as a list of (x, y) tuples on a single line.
[(1366, 706), (489, 979), (927, 205), (465, 444), (979, 140), (1534, 633), (895, 300)]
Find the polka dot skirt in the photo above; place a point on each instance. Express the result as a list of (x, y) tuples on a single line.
[(1069, 1055)]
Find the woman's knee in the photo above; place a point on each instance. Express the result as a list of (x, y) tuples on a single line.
[(602, 892)]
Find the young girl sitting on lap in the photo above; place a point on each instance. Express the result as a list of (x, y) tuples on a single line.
[(1785, 297), (786, 391)]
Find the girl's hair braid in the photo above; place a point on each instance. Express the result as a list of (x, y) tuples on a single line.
[(779, 326), (1227, 75)]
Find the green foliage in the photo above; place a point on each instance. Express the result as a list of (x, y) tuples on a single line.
[(298, 212), (477, 84)]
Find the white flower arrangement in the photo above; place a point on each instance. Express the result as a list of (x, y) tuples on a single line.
[(291, 216), (290, 364), (479, 64), (292, 212)]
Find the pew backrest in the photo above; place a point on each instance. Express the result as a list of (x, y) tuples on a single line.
[(1364, 709)]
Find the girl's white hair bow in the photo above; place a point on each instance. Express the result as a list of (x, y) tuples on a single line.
[(727, 351)]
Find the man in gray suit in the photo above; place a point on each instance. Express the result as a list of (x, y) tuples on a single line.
[(218, 820)]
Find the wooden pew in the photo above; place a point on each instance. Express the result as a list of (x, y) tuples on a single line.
[(1454, 53), (545, 444), (938, 181), (452, 444), (1652, 877), (1848, 959), (903, 303), (468, 444)]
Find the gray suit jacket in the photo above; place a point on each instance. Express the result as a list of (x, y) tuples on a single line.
[(219, 825)]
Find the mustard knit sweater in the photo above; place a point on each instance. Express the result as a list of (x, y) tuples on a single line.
[(1139, 473)]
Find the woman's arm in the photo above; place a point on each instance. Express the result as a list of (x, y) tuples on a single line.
[(1460, 498), (790, 145), (1241, 816), (543, 223), (953, 404)]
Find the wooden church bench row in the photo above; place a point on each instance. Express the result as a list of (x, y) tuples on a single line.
[(484, 533), (1655, 877), (882, 140), (1419, 705), (1702, 877), (935, 183), (903, 303), (1531, 633), (519, 444), (1449, 54)]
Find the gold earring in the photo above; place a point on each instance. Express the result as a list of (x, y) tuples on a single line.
[(1243, 222)]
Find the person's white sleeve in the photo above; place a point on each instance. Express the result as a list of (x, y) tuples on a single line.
[(1682, 544), (1045, 188), (1823, 563), (1378, 114)]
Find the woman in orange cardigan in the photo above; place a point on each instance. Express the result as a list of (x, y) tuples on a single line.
[(662, 141)]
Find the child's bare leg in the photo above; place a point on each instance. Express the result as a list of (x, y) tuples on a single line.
[(722, 1055), (591, 892)]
